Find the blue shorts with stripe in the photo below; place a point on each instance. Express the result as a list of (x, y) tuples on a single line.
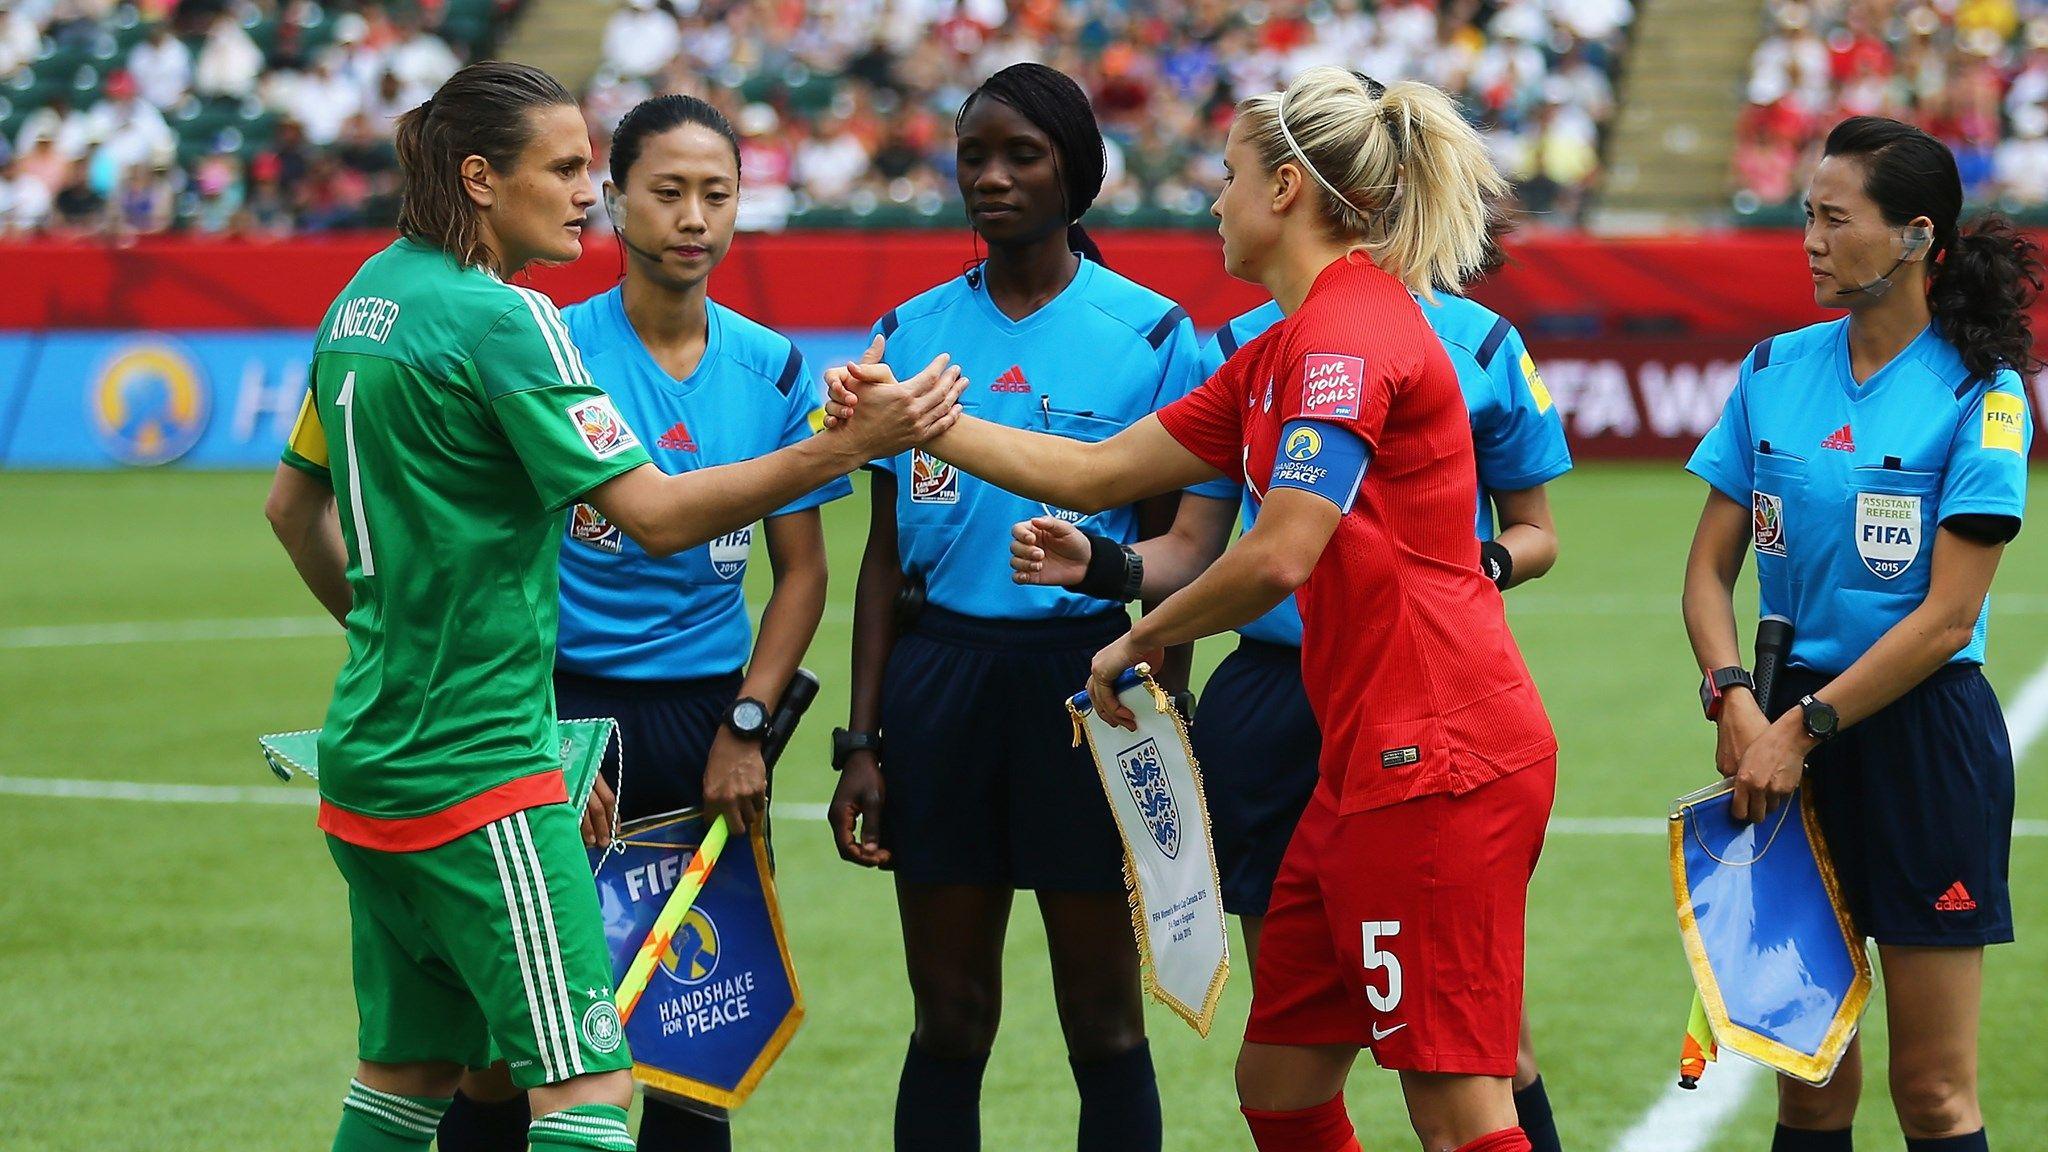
[(1916, 803), (665, 732), (984, 784), (1257, 742)]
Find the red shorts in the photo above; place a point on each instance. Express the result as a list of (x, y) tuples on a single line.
[(1399, 929)]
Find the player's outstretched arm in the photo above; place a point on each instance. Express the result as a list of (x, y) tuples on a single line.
[(1527, 531), (301, 511), (1140, 461), (666, 514), (1253, 576)]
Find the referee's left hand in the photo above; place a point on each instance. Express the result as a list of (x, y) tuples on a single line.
[(1770, 770), (1109, 664)]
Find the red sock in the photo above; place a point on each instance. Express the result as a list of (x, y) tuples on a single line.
[(1323, 1128), (1505, 1140)]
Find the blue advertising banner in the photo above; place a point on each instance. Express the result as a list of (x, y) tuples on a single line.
[(723, 1002), (73, 400)]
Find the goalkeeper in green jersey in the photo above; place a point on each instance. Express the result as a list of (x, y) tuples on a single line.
[(450, 423)]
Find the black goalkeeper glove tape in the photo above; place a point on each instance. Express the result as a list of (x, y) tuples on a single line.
[(1114, 571), (1497, 563)]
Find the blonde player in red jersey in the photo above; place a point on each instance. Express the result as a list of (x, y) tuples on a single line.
[(1397, 919)]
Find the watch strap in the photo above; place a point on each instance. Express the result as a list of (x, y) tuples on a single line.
[(845, 743)]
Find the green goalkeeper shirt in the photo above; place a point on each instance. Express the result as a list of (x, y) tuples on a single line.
[(453, 418)]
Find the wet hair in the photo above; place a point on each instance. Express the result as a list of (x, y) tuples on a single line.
[(1056, 106), (483, 110), (662, 114), (1398, 172), (1980, 279)]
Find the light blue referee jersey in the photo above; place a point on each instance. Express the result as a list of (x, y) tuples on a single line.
[(1102, 355), (631, 616), (1517, 434), (1847, 483)]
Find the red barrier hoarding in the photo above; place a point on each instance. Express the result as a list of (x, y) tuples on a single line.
[(1638, 338)]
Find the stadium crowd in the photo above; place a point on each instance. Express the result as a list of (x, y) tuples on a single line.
[(274, 116), (1974, 73)]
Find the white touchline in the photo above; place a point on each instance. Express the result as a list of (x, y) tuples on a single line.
[(168, 632), (1687, 1121)]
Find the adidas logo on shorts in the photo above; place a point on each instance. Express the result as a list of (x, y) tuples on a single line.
[(1956, 899)]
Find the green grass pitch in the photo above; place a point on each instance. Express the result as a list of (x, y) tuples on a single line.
[(174, 975)]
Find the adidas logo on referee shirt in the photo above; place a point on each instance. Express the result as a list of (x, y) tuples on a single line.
[(1841, 440), (1956, 899), (1011, 381)]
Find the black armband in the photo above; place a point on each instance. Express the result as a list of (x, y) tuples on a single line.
[(1115, 571), (1496, 562), (1983, 527)]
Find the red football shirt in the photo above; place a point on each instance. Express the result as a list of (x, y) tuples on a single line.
[(1406, 656)]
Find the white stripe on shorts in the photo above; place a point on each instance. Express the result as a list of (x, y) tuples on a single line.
[(550, 1059), (541, 945), (554, 947)]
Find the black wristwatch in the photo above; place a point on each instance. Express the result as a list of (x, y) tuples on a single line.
[(845, 744), (1819, 717), (748, 718), (1719, 681)]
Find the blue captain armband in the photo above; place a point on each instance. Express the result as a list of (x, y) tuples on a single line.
[(1325, 459)]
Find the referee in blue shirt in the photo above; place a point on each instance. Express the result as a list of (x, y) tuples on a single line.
[(1876, 465), (958, 768), (664, 644), (1254, 734)]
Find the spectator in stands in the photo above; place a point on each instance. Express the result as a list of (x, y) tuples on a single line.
[(25, 200), (641, 38), (268, 208), (217, 193), (322, 100), (162, 67), (229, 62), (20, 39), (63, 124), (127, 130), (144, 198), (830, 161), (42, 162), (419, 58), (79, 208)]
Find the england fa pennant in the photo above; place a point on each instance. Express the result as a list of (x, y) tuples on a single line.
[(723, 1001), (1779, 966), (1155, 793), (582, 745)]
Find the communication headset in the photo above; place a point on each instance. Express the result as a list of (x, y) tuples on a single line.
[(611, 212), (1913, 242)]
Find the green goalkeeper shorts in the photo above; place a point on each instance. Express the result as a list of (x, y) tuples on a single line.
[(489, 945)]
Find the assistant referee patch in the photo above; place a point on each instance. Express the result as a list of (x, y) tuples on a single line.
[(2004, 421)]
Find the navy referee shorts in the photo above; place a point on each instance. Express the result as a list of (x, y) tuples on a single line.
[(1916, 803), (984, 784), (665, 733), (1258, 744)]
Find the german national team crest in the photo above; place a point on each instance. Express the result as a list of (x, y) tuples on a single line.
[(1767, 513), (1887, 532), (932, 480), (729, 553), (603, 430), (588, 526), (1145, 775)]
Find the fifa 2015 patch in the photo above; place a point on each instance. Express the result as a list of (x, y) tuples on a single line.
[(604, 431), (2005, 418), (1767, 523), (1887, 531), (932, 480), (589, 527), (729, 552), (1534, 379), (1332, 385)]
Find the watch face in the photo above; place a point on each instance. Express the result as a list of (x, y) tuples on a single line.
[(749, 715)]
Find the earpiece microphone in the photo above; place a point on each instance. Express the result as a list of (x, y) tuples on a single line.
[(1914, 241), (611, 210)]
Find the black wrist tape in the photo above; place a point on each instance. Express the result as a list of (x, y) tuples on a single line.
[(1497, 562), (1105, 577)]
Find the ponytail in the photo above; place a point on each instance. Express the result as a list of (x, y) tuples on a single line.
[(1980, 292), (1401, 175)]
